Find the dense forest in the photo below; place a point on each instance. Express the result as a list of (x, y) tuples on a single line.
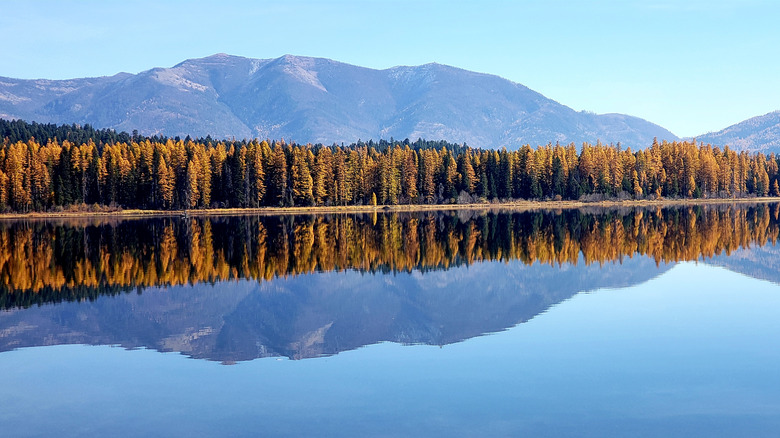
[(49, 167), (50, 261)]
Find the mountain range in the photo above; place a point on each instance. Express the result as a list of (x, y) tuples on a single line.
[(320, 101), (317, 100), (757, 134)]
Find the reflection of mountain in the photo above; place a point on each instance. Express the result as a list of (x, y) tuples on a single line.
[(757, 261), (238, 288), (319, 314)]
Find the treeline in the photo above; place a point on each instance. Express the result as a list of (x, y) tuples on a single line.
[(183, 174), (12, 131), (38, 260)]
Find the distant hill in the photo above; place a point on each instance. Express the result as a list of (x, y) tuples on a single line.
[(318, 100), (757, 134)]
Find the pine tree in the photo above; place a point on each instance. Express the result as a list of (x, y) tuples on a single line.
[(450, 175), (467, 172), (504, 190), (204, 177), (4, 189), (637, 188), (165, 182), (409, 176), (558, 176), (278, 178), (426, 175), (343, 192), (19, 184), (192, 194), (301, 179), (323, 178)]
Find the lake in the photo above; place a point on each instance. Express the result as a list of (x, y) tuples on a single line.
[(593, 322)]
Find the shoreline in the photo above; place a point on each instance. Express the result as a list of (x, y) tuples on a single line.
[(518, 206)]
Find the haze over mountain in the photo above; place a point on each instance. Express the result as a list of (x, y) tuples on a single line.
[(757, 134), (318, 100)]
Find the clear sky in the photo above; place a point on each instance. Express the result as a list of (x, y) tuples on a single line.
[(692, 66)]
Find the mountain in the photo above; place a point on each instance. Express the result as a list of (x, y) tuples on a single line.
[(758, 134), (318, 100)]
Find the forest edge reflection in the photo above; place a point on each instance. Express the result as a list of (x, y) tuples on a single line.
[(51, 261), (239, 288)]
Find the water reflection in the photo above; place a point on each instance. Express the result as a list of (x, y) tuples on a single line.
[(54, 261), (317, 314), (239, 288)]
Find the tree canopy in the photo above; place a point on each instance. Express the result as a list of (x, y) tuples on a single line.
[(86, 166)]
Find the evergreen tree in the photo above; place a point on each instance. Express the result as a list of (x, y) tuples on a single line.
[(301, 180), (277, 188)]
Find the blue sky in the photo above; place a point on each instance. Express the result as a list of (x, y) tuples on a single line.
[(691, 66)]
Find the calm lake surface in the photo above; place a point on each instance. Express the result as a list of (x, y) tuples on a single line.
[(631, 322)]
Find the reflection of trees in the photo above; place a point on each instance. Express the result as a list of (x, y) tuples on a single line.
[(48, 258)]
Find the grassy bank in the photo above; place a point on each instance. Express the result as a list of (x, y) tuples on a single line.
[(506, 206)]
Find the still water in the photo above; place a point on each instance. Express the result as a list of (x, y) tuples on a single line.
[(642, 322)]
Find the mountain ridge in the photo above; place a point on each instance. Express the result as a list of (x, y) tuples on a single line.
[(756, 134), (318, 100)]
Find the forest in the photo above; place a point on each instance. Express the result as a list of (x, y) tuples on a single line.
[(49, 168), (44, 261)]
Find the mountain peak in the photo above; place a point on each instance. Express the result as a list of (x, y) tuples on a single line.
[(295, 58), (215, 59)]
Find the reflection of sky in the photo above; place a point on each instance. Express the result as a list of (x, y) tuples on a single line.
[(692, 352)]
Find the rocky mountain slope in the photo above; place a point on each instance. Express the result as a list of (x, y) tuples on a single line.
[(757, 134), (318, 100)]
